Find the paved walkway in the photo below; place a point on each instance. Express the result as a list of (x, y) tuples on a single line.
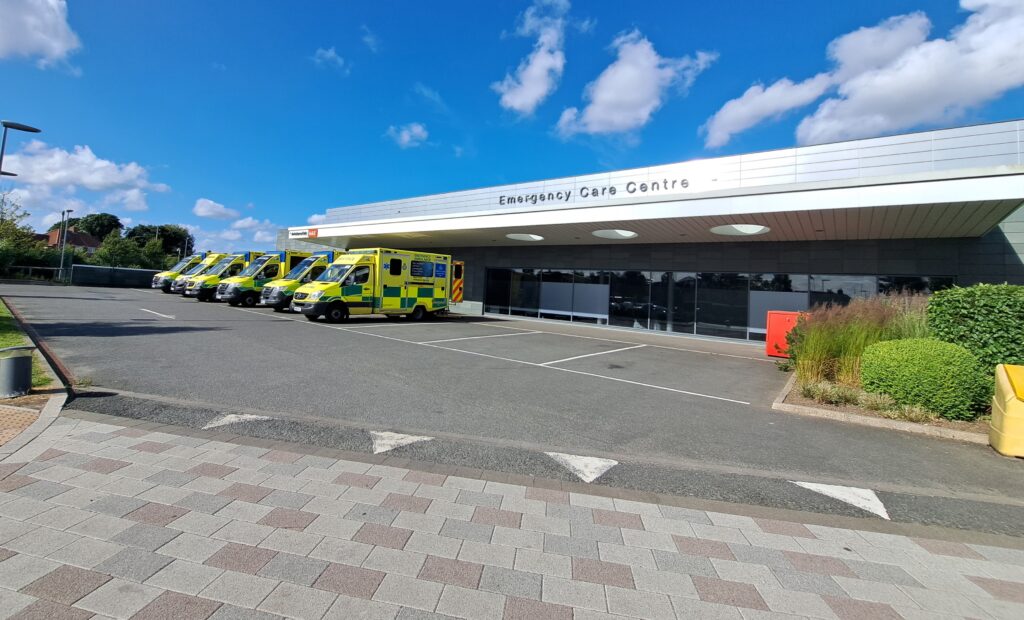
[(104, 517)]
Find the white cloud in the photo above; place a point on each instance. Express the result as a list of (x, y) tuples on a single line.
[(628, 92), (328, 58), (408, 136), (205, 207), (37, 29), (890, 77), (317, 218), (248, 223), (370, 39), (760, 103), (430, 95), (264, 236), (538, 74), (38, 164), (230, 235), (51, 179), (458, 151)]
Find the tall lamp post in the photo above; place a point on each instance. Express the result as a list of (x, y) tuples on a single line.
[(64, 238), (3, 143)]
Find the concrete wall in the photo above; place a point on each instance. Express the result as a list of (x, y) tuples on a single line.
[(996, 257)]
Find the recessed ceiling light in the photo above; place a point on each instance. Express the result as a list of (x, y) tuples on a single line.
[(614, 233), (524, 237), (740, 230)]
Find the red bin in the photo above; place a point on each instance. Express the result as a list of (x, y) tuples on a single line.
[(779, 325)]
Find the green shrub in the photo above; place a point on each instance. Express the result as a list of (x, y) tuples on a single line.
[(829, 393), (942, 377), (828, 341), (908, 413), (986, 319), (876, 402)]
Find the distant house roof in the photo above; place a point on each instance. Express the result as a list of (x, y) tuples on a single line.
[(74, 238)]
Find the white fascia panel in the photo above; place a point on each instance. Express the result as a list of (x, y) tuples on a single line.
[(946, 191)]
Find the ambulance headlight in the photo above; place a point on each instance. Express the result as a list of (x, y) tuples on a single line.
[(315, 295)]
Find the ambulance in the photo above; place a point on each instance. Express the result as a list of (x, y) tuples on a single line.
[(278, 294), (164, 279), (245, 288), (395, 283), (204, 286), (178, 284)]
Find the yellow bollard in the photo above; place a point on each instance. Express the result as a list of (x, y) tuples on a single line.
[(1006, 432)]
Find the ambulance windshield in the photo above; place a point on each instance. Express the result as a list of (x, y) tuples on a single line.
[(219, 268), (334, 273), (197, 269), (254, 266), (177, 268), (300, 269)]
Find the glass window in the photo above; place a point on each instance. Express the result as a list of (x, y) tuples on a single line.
[(590, 297), (234, 270), (840, 289), (629, 302), (315, 272), (359, 275), (556, 294), (395, 268), (673, 295), (774, 291), (458, 271), (924, 285), (524, 294), (496, 290), (722, 304)]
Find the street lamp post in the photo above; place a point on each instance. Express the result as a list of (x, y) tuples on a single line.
[(3, 143), (64, 239)]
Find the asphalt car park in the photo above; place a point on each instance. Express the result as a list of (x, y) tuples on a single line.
[(677, 415)]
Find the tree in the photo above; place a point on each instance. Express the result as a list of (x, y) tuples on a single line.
[(72, 221), (118, 251), (153, 256), (172, 237), (99, 225), (12, 229)]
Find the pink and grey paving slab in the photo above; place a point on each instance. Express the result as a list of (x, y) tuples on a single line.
[(192, 525)]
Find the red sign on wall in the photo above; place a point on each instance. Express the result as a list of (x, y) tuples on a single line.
[(314, 233)]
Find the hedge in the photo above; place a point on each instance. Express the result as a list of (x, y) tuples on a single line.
[(986, 319), (942, 377)]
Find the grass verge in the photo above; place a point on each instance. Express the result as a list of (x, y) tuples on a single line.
[(12, 336)]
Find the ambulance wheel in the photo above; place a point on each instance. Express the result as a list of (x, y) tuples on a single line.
[(417, 314), (336, 313), (250, 299)]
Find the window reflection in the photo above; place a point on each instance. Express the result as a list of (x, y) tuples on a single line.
[(722, 304), (629, 303), (840, 289)]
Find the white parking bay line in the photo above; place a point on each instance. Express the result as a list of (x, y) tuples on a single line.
[(166, 316), (478, 337), (504, 359), (579, 357)]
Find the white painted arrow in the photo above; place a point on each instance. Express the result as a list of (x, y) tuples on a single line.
[(865, 499), (386, 440), (233, 418), (587, 468)]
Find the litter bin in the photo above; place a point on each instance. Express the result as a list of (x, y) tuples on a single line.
[(15, 371), (779, 325), (1006, 430)]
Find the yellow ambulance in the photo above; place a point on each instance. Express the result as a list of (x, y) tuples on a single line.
[(204, 286), (164, 279), (278, 294), (245, 288), (212, 258), (378, 281)]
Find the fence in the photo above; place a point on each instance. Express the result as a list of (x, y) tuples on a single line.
[(92, 275), (35, 274)]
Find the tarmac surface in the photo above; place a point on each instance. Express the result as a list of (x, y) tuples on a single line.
[(680, 416)]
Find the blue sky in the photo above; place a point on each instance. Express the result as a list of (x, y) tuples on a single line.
[(237, 118)]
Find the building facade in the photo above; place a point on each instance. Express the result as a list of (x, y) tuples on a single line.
[(707, 247)]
